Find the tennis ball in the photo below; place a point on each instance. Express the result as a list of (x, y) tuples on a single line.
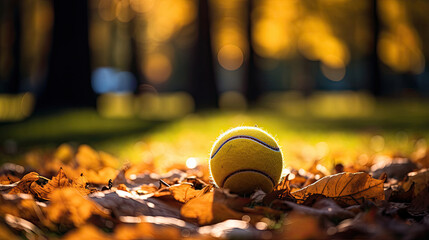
[(244, 159)]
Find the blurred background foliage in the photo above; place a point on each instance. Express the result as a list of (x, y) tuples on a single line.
[(152, 79)]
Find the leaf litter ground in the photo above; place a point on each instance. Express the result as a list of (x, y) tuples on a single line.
[(77, 193)]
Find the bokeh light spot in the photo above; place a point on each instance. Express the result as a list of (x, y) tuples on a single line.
[(333, 74), (191, 162), (230, 57), (157, 68)]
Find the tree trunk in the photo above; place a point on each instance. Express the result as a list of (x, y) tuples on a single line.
[(203, 83), (15, 77), (68, 82), (374, 63), (253, 86)]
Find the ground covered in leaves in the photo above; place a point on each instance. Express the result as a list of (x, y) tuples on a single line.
[(74, 193)]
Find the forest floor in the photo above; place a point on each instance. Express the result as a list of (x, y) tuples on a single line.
[(73, 173)]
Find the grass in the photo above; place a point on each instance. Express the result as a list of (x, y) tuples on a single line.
[(392, 128)]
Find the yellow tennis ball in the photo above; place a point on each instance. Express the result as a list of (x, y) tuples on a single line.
[(244, 159)]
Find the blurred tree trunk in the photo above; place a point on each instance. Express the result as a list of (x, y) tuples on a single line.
[(15, 77), (135, 62), (203, 83), (374, 63), (253, 86), (68, 81)]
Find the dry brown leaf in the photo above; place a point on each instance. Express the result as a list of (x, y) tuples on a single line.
[(122, 187), (214, 207), (68, 206), (88, 158), (122, 203), (24, 185), (420, 180), (394, 167), (87, 231), (281, 191), (420, 204), (146, 231), (101, 176), (8, 179), (185, 192), (6, 233), (20, 205), (323, 208), (301, 226), (61, 181), (20, 224), (348, 188), (64, 153), (264, 211), (146, 189)]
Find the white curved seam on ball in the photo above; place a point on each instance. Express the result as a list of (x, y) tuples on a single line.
[(276, 149)]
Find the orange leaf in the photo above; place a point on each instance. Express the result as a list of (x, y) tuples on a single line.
[(88, 231), (302, 226), (20, 205), (68, 206), (24, 184), (60, 181), (8, 179), (420, 180), (185, 192), (146, 231), (348, 188), (213, 207)]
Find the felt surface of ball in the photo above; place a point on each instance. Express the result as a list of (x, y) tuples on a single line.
[(244, 159)]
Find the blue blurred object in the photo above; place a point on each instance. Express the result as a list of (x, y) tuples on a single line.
[(107, 79)]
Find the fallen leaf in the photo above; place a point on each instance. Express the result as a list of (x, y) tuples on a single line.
[(233, 229), (21, 205), (400, 195), (281, 191), (122, 203), (88, 158), (64, 153), (81, 184), (59, 181), (87, 231), (396, 168), (6, 233), (146, 231), (146, 189), (136, 180), (122, 187), (264, 211), (8, 179), (68, 206), (6, 187), (31, 231), (24, 185), (372, 225), (301, 226), (420, 204), (323, 208), (348, 188), (185, 192), (420, 179), (214, 207), (101, 176)]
